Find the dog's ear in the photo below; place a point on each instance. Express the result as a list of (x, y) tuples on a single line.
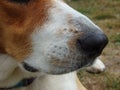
[(2, 50)]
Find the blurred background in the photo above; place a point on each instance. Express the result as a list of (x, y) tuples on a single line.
[(106, 14)]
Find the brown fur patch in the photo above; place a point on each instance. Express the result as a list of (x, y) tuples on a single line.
[(17, 22), (73, 41)]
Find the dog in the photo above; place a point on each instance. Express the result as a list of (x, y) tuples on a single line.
[(43, 43)]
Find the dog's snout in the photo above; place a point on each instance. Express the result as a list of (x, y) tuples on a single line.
[(92, 43)]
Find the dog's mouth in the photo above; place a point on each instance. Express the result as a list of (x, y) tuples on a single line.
[(72, 62), (29, 67)]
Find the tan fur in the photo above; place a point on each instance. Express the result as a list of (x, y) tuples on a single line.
[(16, 24), (80, 86)]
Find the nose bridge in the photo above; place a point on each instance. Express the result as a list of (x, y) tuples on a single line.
[(77, 19), (85, 25)]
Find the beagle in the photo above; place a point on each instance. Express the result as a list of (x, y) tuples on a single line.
[(43, 43)]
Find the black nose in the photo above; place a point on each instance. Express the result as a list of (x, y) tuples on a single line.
[(92, 43)]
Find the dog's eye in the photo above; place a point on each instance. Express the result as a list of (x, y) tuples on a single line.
[(20, 1)]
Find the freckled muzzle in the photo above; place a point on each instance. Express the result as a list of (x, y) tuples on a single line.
[(63, 59)]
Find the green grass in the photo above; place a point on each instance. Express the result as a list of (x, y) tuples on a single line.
[(112, 82), (84, 11), (104, 16), (116, 38), (105, 80)]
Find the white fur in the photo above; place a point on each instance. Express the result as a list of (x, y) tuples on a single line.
[(98, 64), (11, 73), (97, 67), (55, 82), (60, 82), (7, 66)]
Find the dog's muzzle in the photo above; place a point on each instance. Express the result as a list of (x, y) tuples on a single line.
[(89, 46), (62, 58)]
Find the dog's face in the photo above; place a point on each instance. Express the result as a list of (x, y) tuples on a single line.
[(48, 36)]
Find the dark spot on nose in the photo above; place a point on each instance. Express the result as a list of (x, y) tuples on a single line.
[(29, 68), (92, 43)]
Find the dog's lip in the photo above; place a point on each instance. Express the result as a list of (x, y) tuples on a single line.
[(29, 67)]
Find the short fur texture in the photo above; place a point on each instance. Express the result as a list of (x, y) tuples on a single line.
[(43, 34)]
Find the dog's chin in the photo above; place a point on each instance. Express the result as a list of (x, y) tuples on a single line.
[(60, 67), (57, 70)]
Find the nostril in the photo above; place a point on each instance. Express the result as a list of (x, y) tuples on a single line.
[(92, 43)]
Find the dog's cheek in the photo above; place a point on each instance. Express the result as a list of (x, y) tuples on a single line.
[(18, 46)]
